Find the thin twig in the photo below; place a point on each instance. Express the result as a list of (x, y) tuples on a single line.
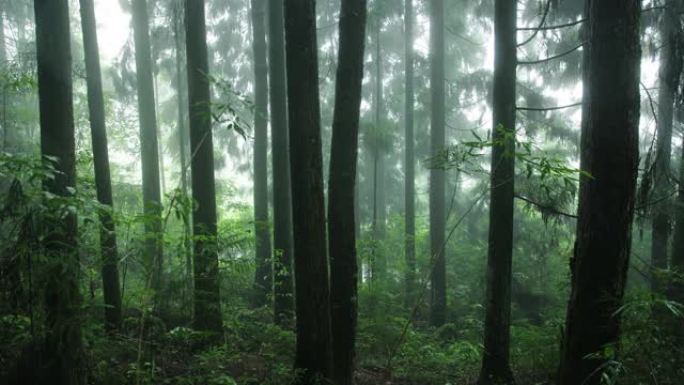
[(544, 60)]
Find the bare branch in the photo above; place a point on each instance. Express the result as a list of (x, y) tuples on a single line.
[(548, 108), (560, 55), (541, 24), (552, 27)]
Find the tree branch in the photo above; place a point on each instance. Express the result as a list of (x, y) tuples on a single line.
[(560, 55), (541, 109), (541, 24), (552, 27), (545, 208)]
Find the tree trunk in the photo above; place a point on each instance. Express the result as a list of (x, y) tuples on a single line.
[(103, 182), (263, 278), (377, 265), (313, 352), (610, 155), (148, 147), (182, 135), (670, 68), (3, 65), (341, 187), (410, 160), (283, 304), (207, 302), (437, 174), (495, 361), (63, 344)]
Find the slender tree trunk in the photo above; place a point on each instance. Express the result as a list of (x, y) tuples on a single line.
[(377, 265), (610, 155), (148, 146), (496, 368), (313, 352), (103, 182), (677, 287), (410, 159), (263, 279), (670, 68), (207, 301), (283, 303), (3, 65), (342, 187), (63, 344), (437, 175), (182, 135)]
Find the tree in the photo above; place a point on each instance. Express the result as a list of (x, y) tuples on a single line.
[(63, 344), (207, 301), (378, 264), (182, 131), (103, 182), (495, 361), (313, 351), (283, 302), (610, 155), (148, 146), (263, 280), (670, 68), (410, 158), (341, 188), (437, 175)]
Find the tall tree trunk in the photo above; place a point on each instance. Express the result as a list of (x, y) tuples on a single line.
[(379, 204), (410, 159), (610, 125), (207, 301), (3, 65), (342, 187), (495, 361), (63, 344), (670, 68), (283, 300), (313, 352), (182, 134), (148, 147), (103, 182), (437, 174), (263, 278)]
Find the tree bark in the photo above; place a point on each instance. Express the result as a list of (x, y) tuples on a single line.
[(610, 155), (103, 182), (313, 352), (263, 278), (437, 175), (341, 187), (207, 301), (495, 361), (670, 68), (182, 134), (149, 151), (410, 160), (63, 343), (283, 300), (379, 203)]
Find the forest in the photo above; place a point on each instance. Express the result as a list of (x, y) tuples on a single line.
[(366, 192)]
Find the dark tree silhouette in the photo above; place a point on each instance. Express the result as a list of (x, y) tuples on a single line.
[(437, 174), (263, 277), (313, 352), (495, 362), (610, 123), (206, 270), (63, 344), (283, 301), (103, 182), (341, 188)]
